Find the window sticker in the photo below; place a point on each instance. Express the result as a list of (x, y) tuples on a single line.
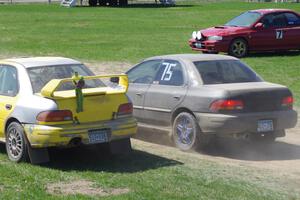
[(168, 72), (279, 34)]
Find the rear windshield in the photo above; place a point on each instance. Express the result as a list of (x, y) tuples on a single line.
[(40, 76), (225, 71)]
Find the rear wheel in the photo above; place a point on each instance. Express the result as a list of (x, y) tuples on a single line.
[(187, 134), (93, 2), (16, 144), (238, 48)]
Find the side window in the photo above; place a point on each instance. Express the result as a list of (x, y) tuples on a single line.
[(145, 72), (274, 20), (8, 81), (292, 19), (279, 21), (170, 73)]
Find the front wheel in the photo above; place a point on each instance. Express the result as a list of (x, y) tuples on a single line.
[(16, 145), (238, 48)]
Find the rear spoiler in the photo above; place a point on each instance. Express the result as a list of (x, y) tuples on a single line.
[(49, 89)]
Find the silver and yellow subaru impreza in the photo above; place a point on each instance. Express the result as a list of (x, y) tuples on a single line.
[(54, 101)]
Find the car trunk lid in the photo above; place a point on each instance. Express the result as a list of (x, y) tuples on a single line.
[(98, 104)]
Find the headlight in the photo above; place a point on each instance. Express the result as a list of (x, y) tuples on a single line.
[(198, 35), (194, 34), (215, 37)]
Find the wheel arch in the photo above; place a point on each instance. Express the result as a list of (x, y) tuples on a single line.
[(9, 121), (180, 110), (238, 37)]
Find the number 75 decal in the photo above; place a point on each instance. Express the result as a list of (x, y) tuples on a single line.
[(279, 34), (167, 74)]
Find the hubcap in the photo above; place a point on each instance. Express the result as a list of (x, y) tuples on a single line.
[(239, 48), (185, 131), (15, 143)]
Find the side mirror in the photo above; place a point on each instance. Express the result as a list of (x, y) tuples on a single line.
[(259, 26), (114, 80)]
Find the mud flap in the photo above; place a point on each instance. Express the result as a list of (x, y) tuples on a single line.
[(38, 155), (122, 146)]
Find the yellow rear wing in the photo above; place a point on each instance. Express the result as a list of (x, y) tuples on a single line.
[(49, 90)]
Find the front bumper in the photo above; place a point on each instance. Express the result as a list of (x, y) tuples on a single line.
[(226, 124), (41, 136), (209, 46)]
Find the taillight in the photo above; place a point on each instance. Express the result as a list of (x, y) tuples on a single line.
[(125, 109), (287, 102), (55, 116), (226, 105)]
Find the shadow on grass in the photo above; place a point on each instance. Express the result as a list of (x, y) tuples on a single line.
[(274, 54), (90, 158), (139, 5), (243, 150), (235, 149)]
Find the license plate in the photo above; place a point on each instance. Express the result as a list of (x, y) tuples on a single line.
[(265, 125), (98, 136)]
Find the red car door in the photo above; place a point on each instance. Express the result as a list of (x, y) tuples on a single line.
[(291, 33), (271, 35)]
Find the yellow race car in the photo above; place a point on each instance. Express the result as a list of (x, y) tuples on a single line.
[(54, 101)]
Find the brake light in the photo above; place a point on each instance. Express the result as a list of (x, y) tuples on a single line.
[(227, 104), (125, 109), (287, 102), (55, 116)]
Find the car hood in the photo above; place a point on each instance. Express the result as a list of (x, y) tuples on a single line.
[(222, 30)]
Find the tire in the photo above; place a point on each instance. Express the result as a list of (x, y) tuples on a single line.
[(186, 133), (93, 3), (238, 48), (16, 143)]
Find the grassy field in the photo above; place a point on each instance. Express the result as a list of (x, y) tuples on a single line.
[(129, 35)]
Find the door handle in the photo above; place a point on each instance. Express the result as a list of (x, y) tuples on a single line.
[(139, 94), (177, 97), (8, 107)]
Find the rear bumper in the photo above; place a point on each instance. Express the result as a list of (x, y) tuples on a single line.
[(41, 136), (209, 46), (223, 124)]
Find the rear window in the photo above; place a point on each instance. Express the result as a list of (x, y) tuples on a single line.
[(225, 71), (40, 76)]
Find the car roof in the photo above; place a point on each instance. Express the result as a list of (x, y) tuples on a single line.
[(271, 10), (193, 57), (42, 61)]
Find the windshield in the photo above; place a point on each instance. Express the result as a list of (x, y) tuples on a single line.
[(40, 76), (225, 71), (246, 19)]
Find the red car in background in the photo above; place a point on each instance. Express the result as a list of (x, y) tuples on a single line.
[(252, 31)]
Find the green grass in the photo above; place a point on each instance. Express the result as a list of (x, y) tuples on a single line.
[(146, 174), (131, 34)]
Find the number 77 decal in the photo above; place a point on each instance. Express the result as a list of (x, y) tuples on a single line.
[(279, 34)]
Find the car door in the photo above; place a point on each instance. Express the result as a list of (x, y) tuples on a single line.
[(291, 33), (270, 36), (140, 78), (8, 94), (165, 93)]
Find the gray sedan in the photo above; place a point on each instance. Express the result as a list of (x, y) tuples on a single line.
[(196, 97)]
